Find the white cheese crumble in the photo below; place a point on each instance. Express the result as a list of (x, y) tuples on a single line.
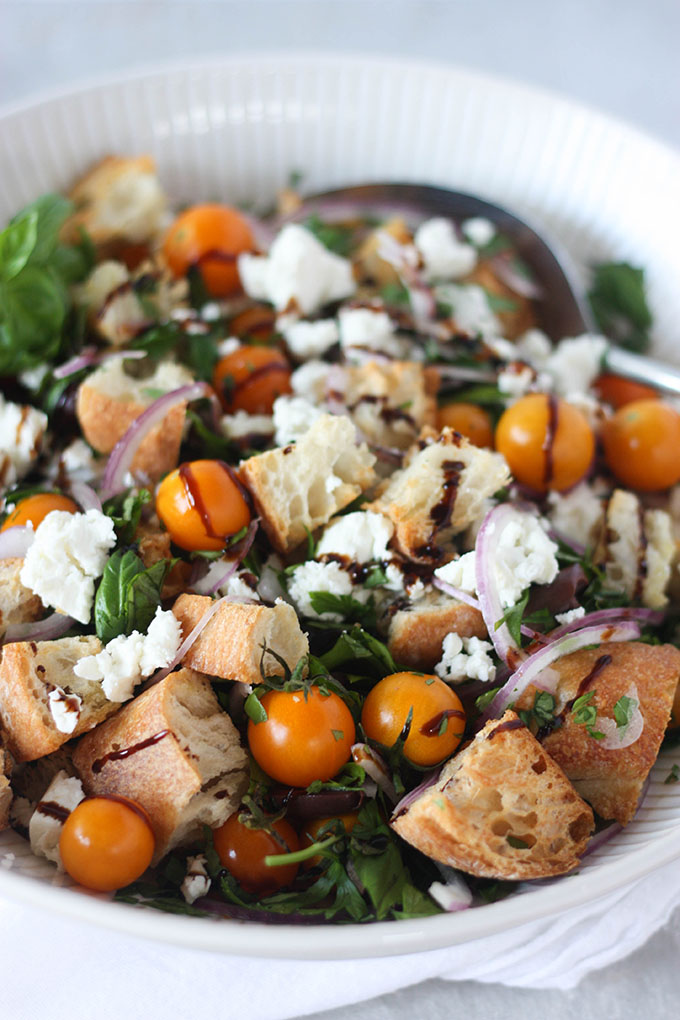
[(237, 587), (396, 580), (79, 462), (363, 536), (330, 577), (534, 346), (571, 615), (451, 896), (465, 658), (516, 379), (241, 424), (576, 515), (576, 363), (311, 339), (197, 880), (368, 328), (293, 416), (125, 660), (21, 432), (298, 271), (44, 830), (470, 309), (65, 709), (479, 231), (309, 381), (68, 552), (228, 346), (445, 256)]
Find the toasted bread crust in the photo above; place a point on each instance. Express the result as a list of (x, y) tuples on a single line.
[(502, 785), (18, 604), (389, 403), (612, 780), (416, 633), (514, 320)]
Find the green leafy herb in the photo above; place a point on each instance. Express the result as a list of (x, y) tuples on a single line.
[(254, 709), (512, 618), (348, 608), (395, 294), (125, 510), (542, 712), (585, 714), (128, 595), (337, 237), (357, 649), (197, 350), (485, 394), (499, 303), (617, 298), (623, 711), (485, 699), (375, 577), (673, 776)]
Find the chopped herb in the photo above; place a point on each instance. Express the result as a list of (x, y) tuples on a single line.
[(485, 699), (500, 303), (623, 711), (125, 510), (395, 294), (128, 595), (350, 609), (516, 842), (512, 618), (585, 714), (336, 237), (338, 734), (375, 577), (617, 298), (542, 712), (673, 776)]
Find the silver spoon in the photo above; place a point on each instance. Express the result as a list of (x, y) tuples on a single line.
[(566, 313)]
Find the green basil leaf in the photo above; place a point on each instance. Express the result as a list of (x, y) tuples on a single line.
[(52, 211), (17, 242), (128, 595)]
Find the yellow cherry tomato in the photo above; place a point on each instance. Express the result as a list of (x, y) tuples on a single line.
[(251, 378), (471, 420), (210, 237), (106, 843), (34, 509), (642, 445), (202, 504), (242, 851)]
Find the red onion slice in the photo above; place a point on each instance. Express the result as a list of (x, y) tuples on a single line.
[(408, 798), (187, 643), (85, 496), (529, 670), (89, 356), (618, 737), (15, 542), (602, 616), (374, 766), (51, 627), (124, 451), (456, 593), (490, 603), (512, 278), (207, 585)]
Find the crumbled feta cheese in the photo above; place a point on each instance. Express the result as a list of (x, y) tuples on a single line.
[(479, 231), (161, 643), (470, 309), (211, 311), (44, 829), (197, 880), (576, 363), (516, 379), (465, 658), (32, 378), (298, 271), (534, 346), (451, 896), (78, 461), (309, 381), (363, 536), (445, 256), (368, 328), (460, 573), (311, 339), (228, 346), (21, 432), (314, 576), (65, 709), (241, 424), (237, 587), (293, 416), (571, 615), (576, 515), (68, 552)]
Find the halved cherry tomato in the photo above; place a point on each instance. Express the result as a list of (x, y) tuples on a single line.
[(251, 378), (312, 832), (242, 851), (255, 323), (642, 445), (34, 509), (106, 843), (209, 236), (547, 442), (202, 504), (304, 738), (617, 391), (437, 723), (471, 420)]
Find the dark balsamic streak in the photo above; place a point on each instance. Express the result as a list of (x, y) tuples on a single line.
[(127, 752), (511, 724), (431, 727), (549, 441)]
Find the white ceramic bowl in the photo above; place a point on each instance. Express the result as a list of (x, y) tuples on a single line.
[(235, 129)]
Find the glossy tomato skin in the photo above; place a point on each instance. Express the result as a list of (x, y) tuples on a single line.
[(106, 843), (251, 378), (303, 738), (34, 509), (256, 323), (435, 708), (547, 442), (471, 420), (242, 851), (617, 391), (209, 236), (642, 445), (201, 505)]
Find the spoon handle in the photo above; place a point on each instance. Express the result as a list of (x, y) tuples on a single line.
[(642, 369)]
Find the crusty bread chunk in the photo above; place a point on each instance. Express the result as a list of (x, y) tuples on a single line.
[(517, 314), (388, 402), (439, 493), (368, 264), (121, 304), (119, 199), (29, 672), (301, 486), (417, 629), (109, 400), (173, 751), (232, 643), (638, 548), (18, 604), (501, 808), (612, 780)]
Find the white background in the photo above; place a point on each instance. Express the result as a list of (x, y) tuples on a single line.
[(616, 54)]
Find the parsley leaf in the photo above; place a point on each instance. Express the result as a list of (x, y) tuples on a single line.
[(350, 609), (336, 237), (617, 298), (128, 595), (541, 714), (357, 648), (623, 711), (585, 714), (125, 510), (512, 618)]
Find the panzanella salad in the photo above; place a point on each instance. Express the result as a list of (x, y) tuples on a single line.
[(330, 587)]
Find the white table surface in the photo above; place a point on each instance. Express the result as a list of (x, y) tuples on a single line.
[(620, 55)]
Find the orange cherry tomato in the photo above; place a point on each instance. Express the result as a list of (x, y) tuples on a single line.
[(255, 323), (303, 738), (242, 851), (251, 378), (34, 509), (209, 236), (642, 445), (547, 442), (617, 391), (106, 843), (312, 832), (202, 504), (470, 420), (438, 718)]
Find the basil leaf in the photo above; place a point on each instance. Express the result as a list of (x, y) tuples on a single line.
[(17, 242), (357, 646), (144, 596), (350, 609), (128, 595), (617, 298), (51, 211)]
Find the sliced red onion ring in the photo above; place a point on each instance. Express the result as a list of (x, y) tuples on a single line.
[(512, 278), (15, 542), (487, 588), (462, 373), (374, 766), (618, 737), (602, 616), (529, 670), (214, 578), (85, 496), (124, 451), (456, 593), (408, 798), (51, 627), (89, 356)]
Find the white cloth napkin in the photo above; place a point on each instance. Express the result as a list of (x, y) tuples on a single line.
[(62, 969)]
